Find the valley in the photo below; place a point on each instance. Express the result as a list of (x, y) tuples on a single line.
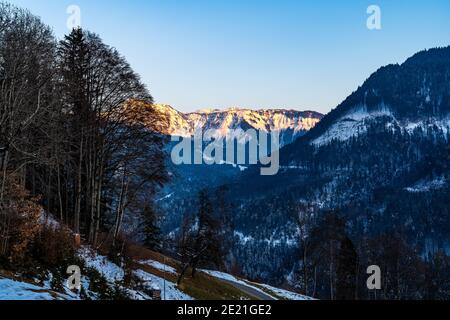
[(380, 161), (108, 194)]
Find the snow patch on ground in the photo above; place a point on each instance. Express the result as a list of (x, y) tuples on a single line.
[(427, 185), (273, 241), (110, 271), (230, 278), (243, 239), (48, 220), (166, 197), (15, 290), (355, 123), (224, 276), (443, 124), (285, 294), (159, 266), (168, 289), (351, 125)]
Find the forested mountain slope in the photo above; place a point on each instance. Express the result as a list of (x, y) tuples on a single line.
[(380, 162)]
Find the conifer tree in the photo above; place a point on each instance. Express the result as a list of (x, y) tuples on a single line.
[(152, 232), (347, 271)]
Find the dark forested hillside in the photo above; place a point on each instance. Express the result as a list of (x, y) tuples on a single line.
[(379, 162)]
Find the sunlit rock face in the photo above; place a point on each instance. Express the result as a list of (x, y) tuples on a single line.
[(290, 123)]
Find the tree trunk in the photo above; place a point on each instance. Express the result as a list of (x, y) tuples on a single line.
[(305, 268), (4, 169), (315, 282), (99, 199), (331, 271), (183, 272), (120, 205), (76, 223), (61, 216)]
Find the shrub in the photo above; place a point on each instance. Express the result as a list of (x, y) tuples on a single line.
[(54, 247), (19, 222)]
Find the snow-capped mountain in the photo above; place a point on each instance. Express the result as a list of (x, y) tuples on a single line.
[(411, 96), (290, 123), (358, 120), (188, 180)]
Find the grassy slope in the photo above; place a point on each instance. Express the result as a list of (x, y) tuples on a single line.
[(202, 287)]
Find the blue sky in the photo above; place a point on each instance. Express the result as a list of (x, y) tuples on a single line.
[(296, 54)]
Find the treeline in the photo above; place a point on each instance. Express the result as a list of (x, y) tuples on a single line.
[(77, 136), (391, 189), (205, 237), (333, 264)]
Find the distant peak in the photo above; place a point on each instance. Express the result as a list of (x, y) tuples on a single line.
[(236, 109), (292, 123), (207, 110), (251, 110)]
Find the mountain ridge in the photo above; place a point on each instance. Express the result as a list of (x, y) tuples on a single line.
[(411, 91), (290, 123)]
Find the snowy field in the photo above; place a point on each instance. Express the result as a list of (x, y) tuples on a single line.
[(15, 290), (159, 266), (113, 273), (168, 289), (110, 271), (285, 294)]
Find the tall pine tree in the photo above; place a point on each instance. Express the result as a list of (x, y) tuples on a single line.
[(152, 232)]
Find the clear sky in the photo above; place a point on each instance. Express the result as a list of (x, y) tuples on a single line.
[(298, 54)]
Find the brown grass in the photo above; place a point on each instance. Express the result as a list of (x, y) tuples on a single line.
[(202, 287)]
